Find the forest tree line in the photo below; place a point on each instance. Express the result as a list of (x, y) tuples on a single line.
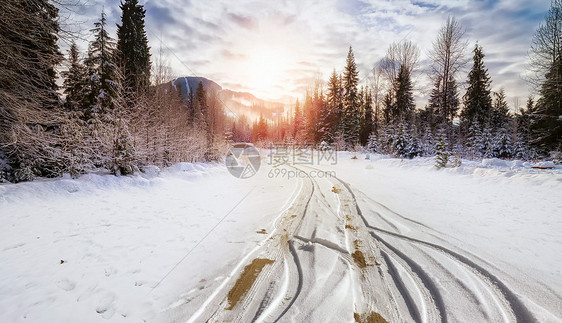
[(116, 109), (382, 116)]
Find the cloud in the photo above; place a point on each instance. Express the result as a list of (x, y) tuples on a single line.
[(242, 21)]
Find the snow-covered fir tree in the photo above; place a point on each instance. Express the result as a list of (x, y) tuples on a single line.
[(404, 97), (500, 117), (103, 104), (502, 145), (331, 118), (441, 153), (351, 115), (406, 144), (477, 99), (73, 84), (367, 126), (103, 77), (132, 49), (29, 102)]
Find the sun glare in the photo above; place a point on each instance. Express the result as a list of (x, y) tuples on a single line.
[(266, 67)]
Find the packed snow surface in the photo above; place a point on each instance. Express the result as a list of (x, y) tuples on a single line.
[(398, 238)]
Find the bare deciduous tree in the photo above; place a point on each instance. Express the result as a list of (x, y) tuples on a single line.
[(448, 56), (546, 49), (405, 54), (448, 53)]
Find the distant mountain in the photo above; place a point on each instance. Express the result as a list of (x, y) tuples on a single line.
[(239, 103), (188, 83)]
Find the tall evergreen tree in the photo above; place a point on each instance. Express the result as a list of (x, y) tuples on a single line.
[(350, 98), (530, 106), (133, 50), (315, 126), (103, 104), (28, 92), (103, 76), (298, 121), (547, 125), (367, 126), (388, 107), (404, 96), (477, 100), (435, 104), (73, 79), (451, 101), (332, 108), (201, 107), (500, 111)]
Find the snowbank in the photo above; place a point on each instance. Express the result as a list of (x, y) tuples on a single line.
[(97, 248)]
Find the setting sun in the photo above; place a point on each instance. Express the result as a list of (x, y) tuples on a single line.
[(266, 67)]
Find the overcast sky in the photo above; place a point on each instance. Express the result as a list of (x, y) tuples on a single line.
[(276, 49)]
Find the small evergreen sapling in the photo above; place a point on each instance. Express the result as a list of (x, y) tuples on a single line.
[(441, 154)]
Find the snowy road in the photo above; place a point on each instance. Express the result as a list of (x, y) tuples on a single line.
[(326, 262), (377, 239)]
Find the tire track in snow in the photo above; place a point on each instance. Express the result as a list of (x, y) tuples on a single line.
[(400, 284), (299, 287), (282, 245), (274, 244), (370, 274), (522, 314)]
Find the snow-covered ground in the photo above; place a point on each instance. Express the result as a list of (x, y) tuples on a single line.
[(479, 242), (92, 249)]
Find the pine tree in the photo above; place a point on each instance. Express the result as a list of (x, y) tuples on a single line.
[(73, 80), (502, 146), (367, 126), (123, 159), (477, 100), (451, 102), (474, 141), (441, 153), (351, 116), (373, 142), (404, 105), (103, 77), (334, 108), (436, 105), (103, 104), (133, 50), (521, 147), (75, 144), (428, 141), (201, 107), (406, 144), (29, 109), (486, 143), (530, 106), (388, 107), (313, 106), (500, 111), (298, 121), (547, 125)]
